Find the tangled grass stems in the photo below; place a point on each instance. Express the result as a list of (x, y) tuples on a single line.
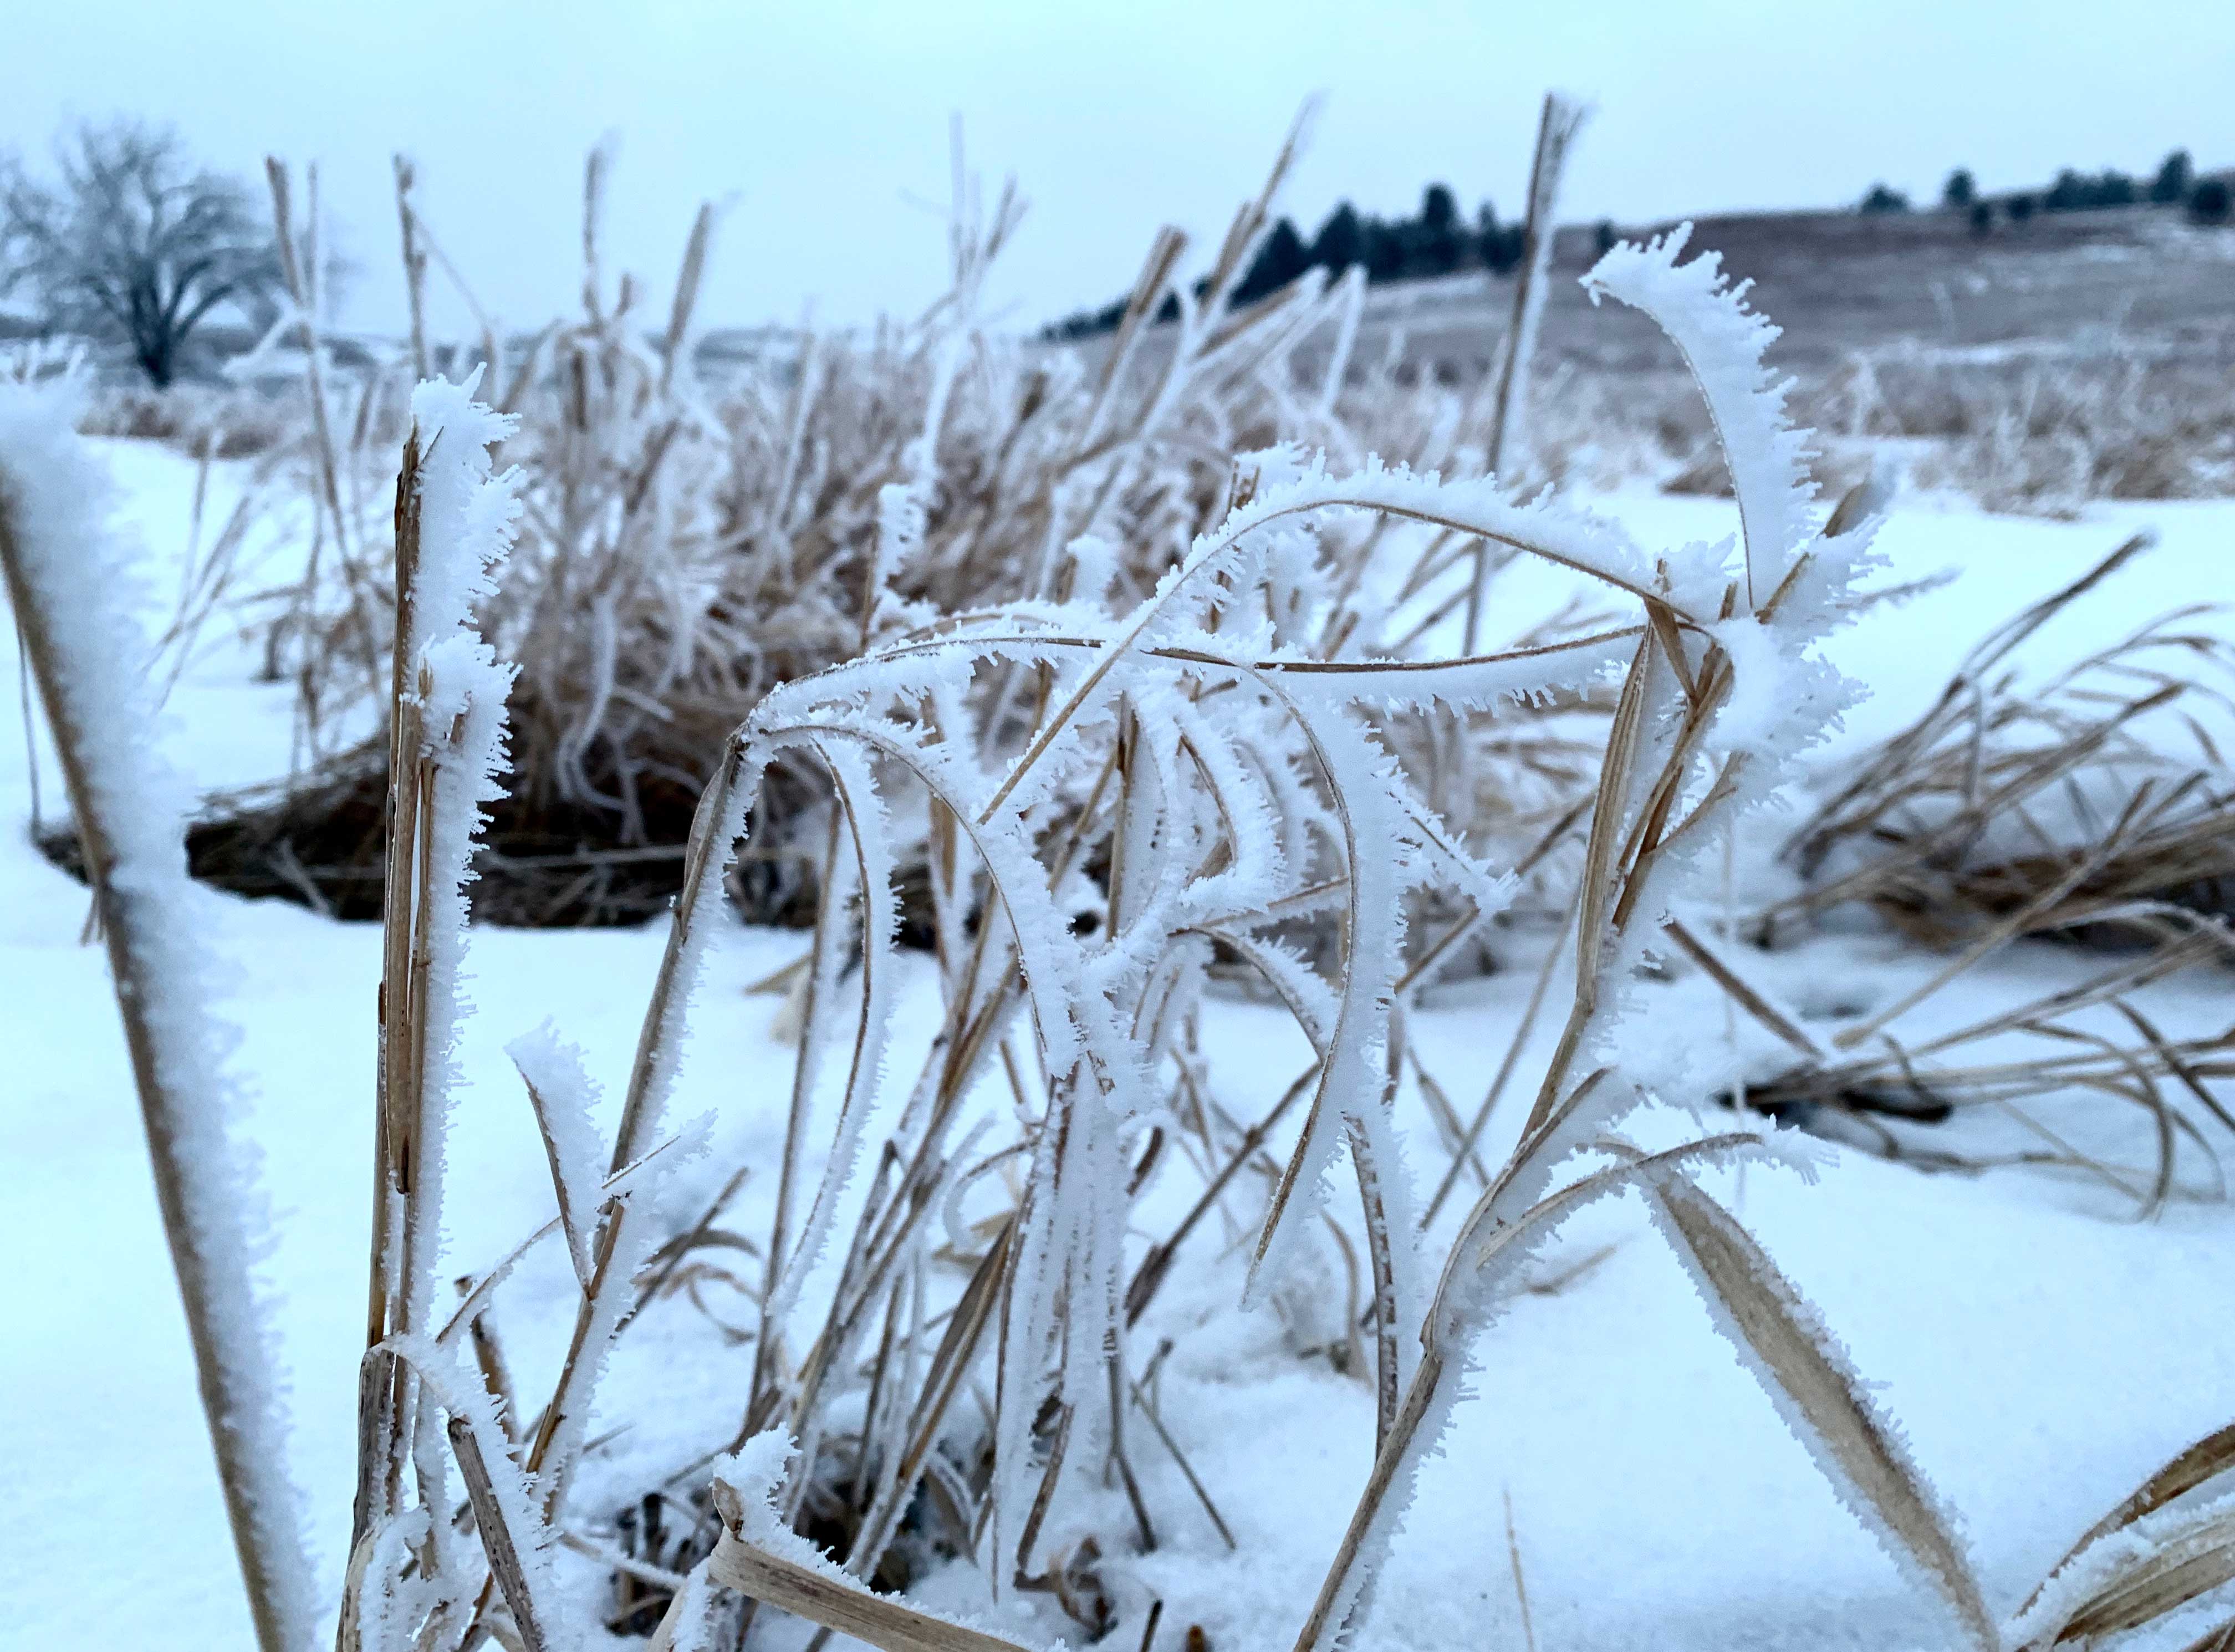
[(1148, 754)]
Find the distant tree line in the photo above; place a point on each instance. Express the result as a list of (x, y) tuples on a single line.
[(2207, 199), (1435, 242)]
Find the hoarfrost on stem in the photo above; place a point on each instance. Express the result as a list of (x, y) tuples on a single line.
[(74, 590)]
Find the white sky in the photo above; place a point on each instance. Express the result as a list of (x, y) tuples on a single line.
[(823, 120)]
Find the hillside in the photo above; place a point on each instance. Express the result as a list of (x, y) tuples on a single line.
[(1842, 282)]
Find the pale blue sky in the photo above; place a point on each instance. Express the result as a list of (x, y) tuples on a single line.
[(821, 118)]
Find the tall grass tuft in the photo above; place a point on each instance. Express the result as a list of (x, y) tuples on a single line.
[(1073, 670)]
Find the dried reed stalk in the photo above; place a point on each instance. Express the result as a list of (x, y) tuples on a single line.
[(139, 921), (836, 1603), (400, 1070), (1557, 124)]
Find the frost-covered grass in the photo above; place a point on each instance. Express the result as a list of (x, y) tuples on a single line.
[(1609, 1412), (961, 1277), (71, 597), (686, 544)]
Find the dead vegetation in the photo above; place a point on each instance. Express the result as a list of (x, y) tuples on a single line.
[(2042, 431), (1213, 827), (1009, 647), (211, 421), (688, 544), (2167, 1545), (2089, 805), (2064, 803), (692, 541)]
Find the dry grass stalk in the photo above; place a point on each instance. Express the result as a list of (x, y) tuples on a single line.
[(446, 724), (498, 1539), (2164, 1546), (1823, 1395), (1636, 821), (1520, 1583), (1888, 1082), (824, 1596), (1973, 809), (78, 642), (415, 264), (1557, 125), (1002, 851), (1562, 119), (401, 1053), (300, 267), (2195, 1467)]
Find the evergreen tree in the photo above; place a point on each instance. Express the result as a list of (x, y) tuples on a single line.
[(2211, 201), (1500, 246), (1386, 254), (1341, 240), (1281, 257), (2174, 179), (1884, 199), (1442, 245), (1959, 192)]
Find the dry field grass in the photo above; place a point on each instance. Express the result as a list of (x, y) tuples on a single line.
[(2077, 356), (1056, 666)]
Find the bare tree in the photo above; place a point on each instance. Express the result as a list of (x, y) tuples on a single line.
[(129, 244)]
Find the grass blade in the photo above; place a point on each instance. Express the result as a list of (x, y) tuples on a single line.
[(1821, 1397)]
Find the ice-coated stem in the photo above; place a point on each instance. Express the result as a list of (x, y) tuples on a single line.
[(87, 657)]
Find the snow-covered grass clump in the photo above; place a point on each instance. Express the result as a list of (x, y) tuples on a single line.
[(1156, 750)]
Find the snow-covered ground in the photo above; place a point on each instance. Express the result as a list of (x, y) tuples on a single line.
[(2044, 1351)]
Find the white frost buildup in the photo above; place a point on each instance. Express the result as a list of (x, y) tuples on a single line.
[(467, 514), (459, 1393), (467, 519), (1723, 342), (750, 1487), (73, 593), (566, 1105)]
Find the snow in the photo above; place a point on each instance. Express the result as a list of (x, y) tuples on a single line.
[(2041, 1351)]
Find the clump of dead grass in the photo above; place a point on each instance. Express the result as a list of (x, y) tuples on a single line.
[(201, 421), (2089, 806), (2093, 801), (1129, 767), (688, 542), (2043, 432)]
